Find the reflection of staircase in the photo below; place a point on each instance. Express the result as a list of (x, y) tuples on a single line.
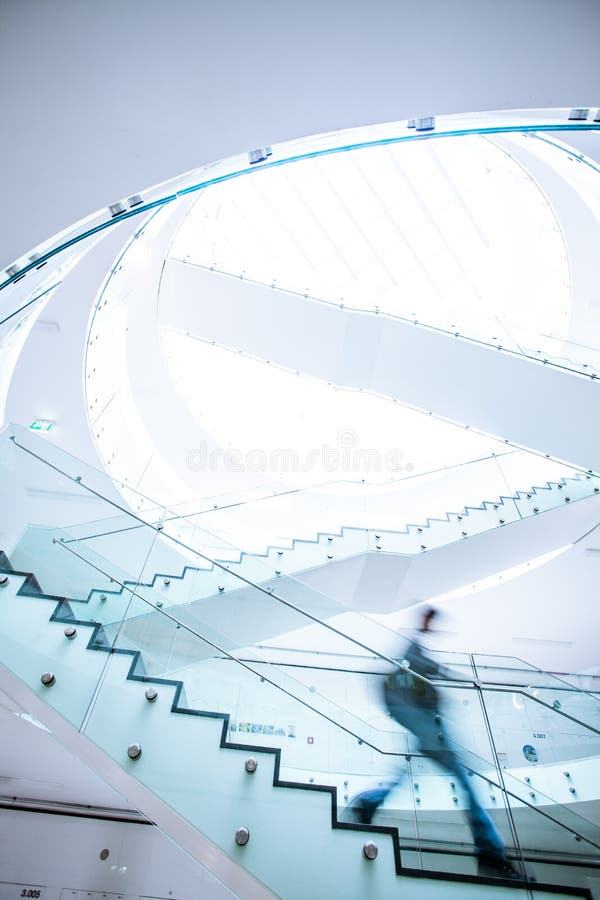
[(102, 695)]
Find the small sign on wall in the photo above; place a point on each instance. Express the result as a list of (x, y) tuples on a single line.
[(21, 891)]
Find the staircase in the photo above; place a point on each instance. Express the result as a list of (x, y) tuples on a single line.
[(195, 763), (179, 585)]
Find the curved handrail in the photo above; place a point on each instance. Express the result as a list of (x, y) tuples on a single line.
[(273, 161)]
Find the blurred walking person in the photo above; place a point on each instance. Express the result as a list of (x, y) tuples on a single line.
[(414, 703)]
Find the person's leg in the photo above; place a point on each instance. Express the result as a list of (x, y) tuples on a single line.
[(427, 726), (362, 807), (485, 834)]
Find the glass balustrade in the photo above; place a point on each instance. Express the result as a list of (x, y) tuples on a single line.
[(325, 525), (263, 711), (25, 295), (545, 688)]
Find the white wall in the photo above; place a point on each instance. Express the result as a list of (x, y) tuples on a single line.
[(63, 852), (102, 100)]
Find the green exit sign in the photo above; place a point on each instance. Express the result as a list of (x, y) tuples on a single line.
[(41, 425)]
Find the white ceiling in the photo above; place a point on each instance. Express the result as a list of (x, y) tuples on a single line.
[(102, 100)]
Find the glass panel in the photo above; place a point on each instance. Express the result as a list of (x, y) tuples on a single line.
[(204, 635), (558, 737), (34, 643), (583, 681), (52, 497), (549, 759), (24, 296), (547, 688)]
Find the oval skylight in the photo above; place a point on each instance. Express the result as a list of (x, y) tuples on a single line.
[(452, 232)]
